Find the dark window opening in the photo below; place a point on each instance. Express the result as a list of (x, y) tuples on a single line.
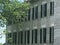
[(44, 35), (51, 36), (32, 13), (32, 36), (36, 12), (25, 37), (41, 12), (29, 15), (28, 36), (21, 37), (45, 10), (51, 8), (35, 35), (40, 35), (15, 37)]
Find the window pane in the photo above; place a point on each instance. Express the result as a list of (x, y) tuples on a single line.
[(36, 12), (40, 35), (21, 37), (32, 36), (44, 35), (15, 37), (41, 11), (25, 38), (45, 10), (35, 35), (29, 15), (51, 8), (32, 13), (28, 36), (51, 36)]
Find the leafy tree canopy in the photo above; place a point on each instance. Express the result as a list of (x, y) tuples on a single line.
[(14, 10), (1, 44)]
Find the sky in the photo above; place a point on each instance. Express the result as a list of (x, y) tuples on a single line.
[(21, 0), (2, 35)]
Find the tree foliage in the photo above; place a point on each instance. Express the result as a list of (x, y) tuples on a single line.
[(14, 11), (2, 21), (1, 44)]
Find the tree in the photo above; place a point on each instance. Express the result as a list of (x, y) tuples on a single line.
[(2, 21), (1, 44), (14, 11)]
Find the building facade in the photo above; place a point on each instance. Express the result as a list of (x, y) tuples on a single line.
[(41, 26)]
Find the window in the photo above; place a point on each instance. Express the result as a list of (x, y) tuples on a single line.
[(32, 36), (32, 13), (44, 35), (14, 37), (21, 37), (45, 10), (29, 15), (40, 35), (35, 35), (51, 36), (28, 36), (41, 11), (51, 8), (25, 37), (36, 12)]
